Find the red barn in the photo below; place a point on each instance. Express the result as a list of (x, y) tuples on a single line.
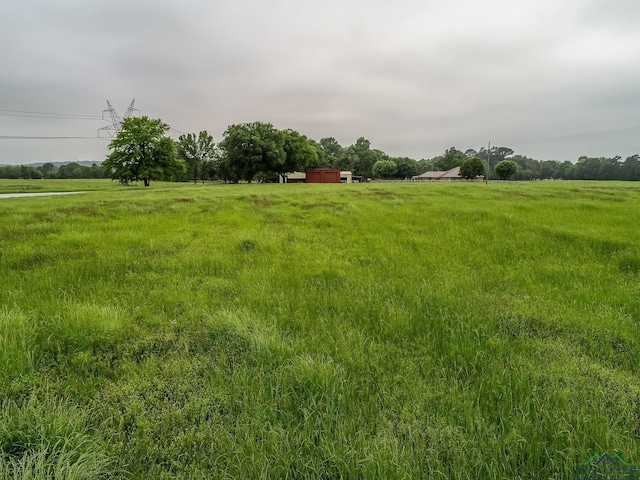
[(323, 175)]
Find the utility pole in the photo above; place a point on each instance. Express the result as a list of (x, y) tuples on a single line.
[(114, 118), (486, 178)]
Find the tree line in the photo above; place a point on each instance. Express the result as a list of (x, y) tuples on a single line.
[(257, 151), (49, 170)]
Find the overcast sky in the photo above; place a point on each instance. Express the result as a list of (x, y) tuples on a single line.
[(552, 79)]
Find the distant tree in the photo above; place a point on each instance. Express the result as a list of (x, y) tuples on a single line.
[(500, 153), (299, 153), (452, 158), (586, 168), (28, 172), (609, 168), (141, 151), (576, 171), (506, 169), (250, 148), (472, 168), (48, 170), (425, 165), (549, 169), (407, 167), (363, 157), (495, 156), (347, 161), (7, 172), (630, 168), (329, 153), (384, 169), (564, 169), (96, 171), (319, 162), (528, 168), (197, 152), (72, 170), (22, 171), (470, 153)]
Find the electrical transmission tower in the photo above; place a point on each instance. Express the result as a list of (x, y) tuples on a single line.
[(115, 119)]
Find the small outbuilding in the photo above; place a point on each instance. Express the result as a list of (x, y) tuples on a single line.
[(295, 177), (323, 175)]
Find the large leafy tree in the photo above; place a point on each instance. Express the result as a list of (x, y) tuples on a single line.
[(506, 169), (406, 167), (362, 157), (528, 168), (198, 152), (329, 153), (299, 153), (384, 169), (472, 168), (141, 151), (251, 148)]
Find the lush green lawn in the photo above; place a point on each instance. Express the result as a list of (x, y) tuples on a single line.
[(319, 331)]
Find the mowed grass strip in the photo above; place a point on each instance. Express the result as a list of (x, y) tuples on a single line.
[(320, 331)]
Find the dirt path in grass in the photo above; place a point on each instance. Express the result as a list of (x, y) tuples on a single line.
[(43, 194)]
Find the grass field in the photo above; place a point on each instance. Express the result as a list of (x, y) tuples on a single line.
[(40, 186), (448, 331)]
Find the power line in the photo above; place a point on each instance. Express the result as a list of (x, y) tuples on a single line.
[(70, 116), (25, 137)]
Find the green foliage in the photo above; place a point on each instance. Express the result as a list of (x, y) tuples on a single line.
[(472, 168), (141, 151), (251, 148), (299, 153), (19, 172), (506, 169), (452, 158), (329, 153), (498, 154), (199, 153), (75, 170), (426, 165), (384, 169), (630, 168), (49, 170), (258, 150), (360, 158), (406, 167)]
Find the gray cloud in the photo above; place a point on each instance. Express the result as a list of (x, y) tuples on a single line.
[(550, 79)]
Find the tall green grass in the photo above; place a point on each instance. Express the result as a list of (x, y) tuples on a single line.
[(321, 331)]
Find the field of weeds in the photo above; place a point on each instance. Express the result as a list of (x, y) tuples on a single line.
[(452, 331)]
